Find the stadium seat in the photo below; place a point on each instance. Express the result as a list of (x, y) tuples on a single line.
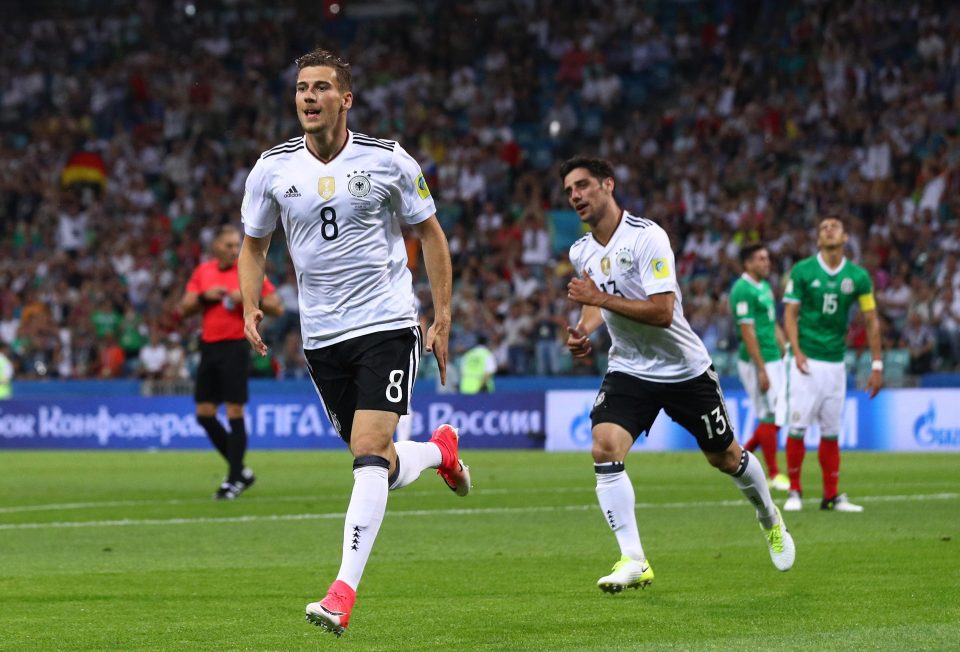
[(723, 362), (850, 360), (566, 229), (896, 364)]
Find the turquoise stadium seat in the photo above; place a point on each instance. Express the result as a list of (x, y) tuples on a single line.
[(896, 364), (850, 360), (724, 362)]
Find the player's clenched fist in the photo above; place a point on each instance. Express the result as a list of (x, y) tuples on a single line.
[(578, 344)]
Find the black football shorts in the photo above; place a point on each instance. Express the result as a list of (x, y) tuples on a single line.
[(696, 404), (370, 372), (223, 372)]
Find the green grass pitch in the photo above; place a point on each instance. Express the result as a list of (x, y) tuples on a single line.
[(127, 551)]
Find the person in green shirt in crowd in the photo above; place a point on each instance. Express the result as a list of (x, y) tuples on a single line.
[(477, 368)]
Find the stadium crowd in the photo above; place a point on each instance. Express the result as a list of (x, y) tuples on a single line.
[(128, 130)]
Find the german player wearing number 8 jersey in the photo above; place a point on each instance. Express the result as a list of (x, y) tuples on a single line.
[(342, 198), (626, 278), (820, 293)]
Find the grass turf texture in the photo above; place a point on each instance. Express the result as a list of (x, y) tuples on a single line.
[(159, 565)]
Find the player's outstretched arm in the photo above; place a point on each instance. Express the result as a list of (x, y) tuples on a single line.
[(251, 268), (436, 258), (875, 381)]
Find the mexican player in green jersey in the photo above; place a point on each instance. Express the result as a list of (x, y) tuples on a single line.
[(820, 293), (760, 363)]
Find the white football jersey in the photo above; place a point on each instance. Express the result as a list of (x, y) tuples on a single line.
[(342, 221), (636, 263)]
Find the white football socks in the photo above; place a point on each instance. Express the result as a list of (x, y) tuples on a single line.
[(752, 483), (618, 502), (412, 458), (368, 502)]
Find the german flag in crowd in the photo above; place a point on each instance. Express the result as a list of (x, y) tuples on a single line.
[(85, 168)]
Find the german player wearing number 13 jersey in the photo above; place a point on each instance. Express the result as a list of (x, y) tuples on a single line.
[(342, 197), (627, 279)]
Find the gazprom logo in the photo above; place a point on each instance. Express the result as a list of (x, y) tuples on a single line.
[(927, 434), (581, 429)]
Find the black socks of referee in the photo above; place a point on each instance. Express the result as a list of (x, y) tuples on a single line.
[(216, 433), (236, 448), (232, 445)]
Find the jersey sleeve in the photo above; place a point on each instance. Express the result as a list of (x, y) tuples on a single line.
[(864, 290), (195, 284), (656, 263), (741, 303), (794, 290), (259, 210), (576, 250), (410, 195)]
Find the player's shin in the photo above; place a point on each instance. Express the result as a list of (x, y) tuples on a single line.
[(618, 503), (412, 458), (368, 502), (752, 483), (768, 444), (236, 448), (217, 434), (829, 457), (795, 453)]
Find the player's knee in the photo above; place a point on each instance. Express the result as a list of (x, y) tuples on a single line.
[(234, 410), (604, 452), (727, 461), (363, 447)]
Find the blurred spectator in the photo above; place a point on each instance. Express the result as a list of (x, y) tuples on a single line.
[(920, 340), (477, 368), (894, 301), (153, 357), (111, 357), (946, 316), (6, 372)]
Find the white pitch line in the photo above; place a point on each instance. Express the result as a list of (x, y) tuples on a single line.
[(61, 507), (253, 518)]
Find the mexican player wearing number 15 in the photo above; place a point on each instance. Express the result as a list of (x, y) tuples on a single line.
[(820, 293), (342, 198), (627, 280)]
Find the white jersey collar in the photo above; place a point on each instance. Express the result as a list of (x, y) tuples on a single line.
[(826, 268)]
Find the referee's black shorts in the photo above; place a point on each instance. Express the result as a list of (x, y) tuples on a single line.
[(223, 372), (696, 404)]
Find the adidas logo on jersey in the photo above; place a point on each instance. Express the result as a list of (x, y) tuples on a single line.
[(291, 192)]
